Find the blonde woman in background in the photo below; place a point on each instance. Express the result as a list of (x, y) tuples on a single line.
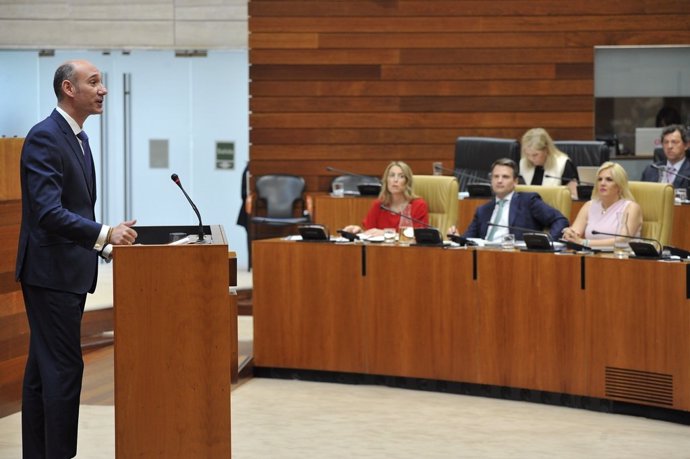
[(396, 194), (544, 164), (611, 199)]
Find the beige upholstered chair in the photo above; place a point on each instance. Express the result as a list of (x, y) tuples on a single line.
[(441, 195), (656, 201), (557, 197)]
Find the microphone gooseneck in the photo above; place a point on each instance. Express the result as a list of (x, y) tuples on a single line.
[(459, 173), (176, 179), (344, 172), (662, 168), (625, 236), (525, 230), (401, 215), (579, 182)]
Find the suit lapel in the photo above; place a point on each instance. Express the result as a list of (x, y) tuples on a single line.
[(512, 213), (484, 230), (77, 152)]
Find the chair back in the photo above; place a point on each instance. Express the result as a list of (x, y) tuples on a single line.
[(656, 201), (475, 155), (557, 197), (441, 196), (585, 153), (279, 191), (351, 182)]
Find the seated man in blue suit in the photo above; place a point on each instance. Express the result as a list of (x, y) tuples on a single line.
[(511, 208), (674, 140)]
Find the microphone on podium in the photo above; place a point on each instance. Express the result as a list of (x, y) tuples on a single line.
[(176, 179)]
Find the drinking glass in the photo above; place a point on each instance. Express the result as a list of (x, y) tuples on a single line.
[(338, 190), (681, 195), (389, 235), (620, 244)]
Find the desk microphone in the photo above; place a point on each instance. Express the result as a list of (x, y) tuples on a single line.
[(460, 173), (526, 231), (662, 168), (343, 172), (579, 182), (625, 236), (176, 179), (401, 215)]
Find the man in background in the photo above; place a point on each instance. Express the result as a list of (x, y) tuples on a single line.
[(674, 140)]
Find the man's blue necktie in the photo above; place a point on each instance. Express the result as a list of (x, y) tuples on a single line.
[(88, 159)]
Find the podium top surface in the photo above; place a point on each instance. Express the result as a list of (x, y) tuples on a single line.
[(161, 235)]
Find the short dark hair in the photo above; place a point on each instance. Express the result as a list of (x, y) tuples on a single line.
[(506, 162), (64, 72), (673, 128)]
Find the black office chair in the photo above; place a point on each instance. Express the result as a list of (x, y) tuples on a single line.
[(354, 184), (585, 153), (475, 155), (279, 202)]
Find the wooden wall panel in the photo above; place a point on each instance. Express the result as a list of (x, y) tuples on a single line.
[(357, 84)]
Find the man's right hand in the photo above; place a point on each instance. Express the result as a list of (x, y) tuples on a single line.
[(123, 234)]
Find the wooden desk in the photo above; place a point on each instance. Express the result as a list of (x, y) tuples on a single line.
[(587, 326), (335, 213)]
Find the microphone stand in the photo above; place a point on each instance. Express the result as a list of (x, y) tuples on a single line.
[(401, 215), (343, 172), (201, 236), (526, 231), (625, 236), (459, 173), (426, 235), (662, 168), (569, 178)]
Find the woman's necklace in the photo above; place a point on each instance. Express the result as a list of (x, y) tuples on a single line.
[(605, 209), (400, 207)]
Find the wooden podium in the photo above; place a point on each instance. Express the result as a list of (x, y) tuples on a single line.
[(173, 346)]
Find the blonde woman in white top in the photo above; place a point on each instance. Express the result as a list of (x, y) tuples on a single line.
[(544, 164)]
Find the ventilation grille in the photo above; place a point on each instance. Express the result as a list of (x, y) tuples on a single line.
[(639, 386)]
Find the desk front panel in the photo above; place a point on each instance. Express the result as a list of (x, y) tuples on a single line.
[(531, 321), (504, 318), (307, 306), (638, 317), (420, 313)]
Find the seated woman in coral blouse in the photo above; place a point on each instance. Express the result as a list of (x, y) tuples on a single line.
[(396, 195), (611, 201)]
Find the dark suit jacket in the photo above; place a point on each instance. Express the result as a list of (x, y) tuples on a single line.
[(527, 210), (58, 231), (652, 175)]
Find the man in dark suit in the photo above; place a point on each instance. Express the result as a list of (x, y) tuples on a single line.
[(674, 140), (510, 208), (57, 259)]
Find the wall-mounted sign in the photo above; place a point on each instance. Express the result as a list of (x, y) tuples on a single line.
[(225, 155)]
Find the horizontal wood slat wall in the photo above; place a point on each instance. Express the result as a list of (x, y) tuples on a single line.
[(357, 84)]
